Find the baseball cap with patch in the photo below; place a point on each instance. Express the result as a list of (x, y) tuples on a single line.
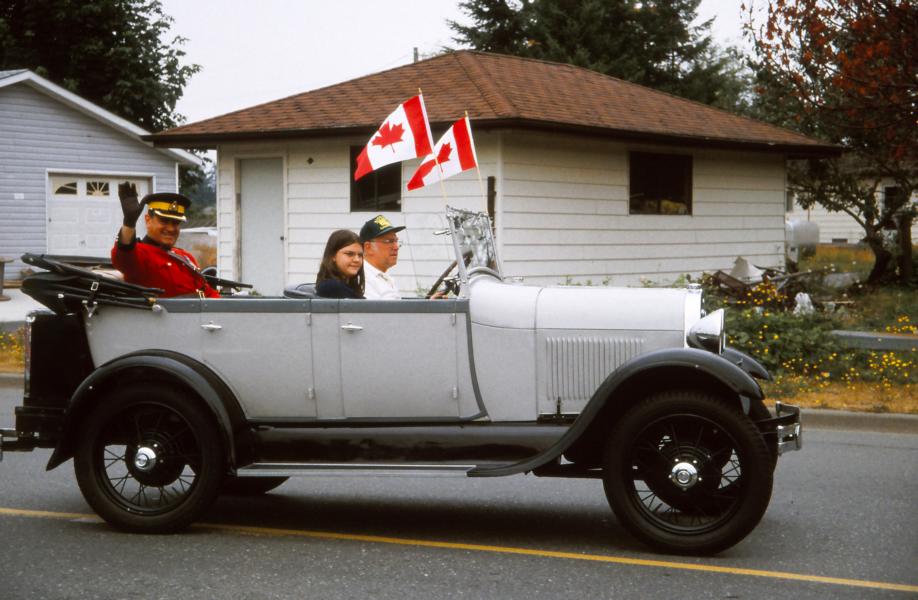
[(376, 227), (167, 205)]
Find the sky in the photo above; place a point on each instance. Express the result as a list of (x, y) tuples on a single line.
[(253, 52)]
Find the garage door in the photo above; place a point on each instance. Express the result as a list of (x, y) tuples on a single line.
[(84, 213)]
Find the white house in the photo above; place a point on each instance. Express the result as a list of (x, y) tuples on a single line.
[(588, 177), (840, 227), (61, 159)]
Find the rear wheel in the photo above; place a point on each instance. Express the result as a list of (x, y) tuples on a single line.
[(150, 459), (687, 472)]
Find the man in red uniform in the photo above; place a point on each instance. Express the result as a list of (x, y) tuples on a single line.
[(154, 261)]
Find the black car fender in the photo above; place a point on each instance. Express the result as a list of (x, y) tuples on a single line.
[(747, 363), (161, 365), (661, 369)]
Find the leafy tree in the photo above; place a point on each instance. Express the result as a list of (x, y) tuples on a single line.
[(649, 42), (108, 51), (846, 71)]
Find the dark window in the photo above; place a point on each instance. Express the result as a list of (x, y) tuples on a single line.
[(379, 191), (660, 184)]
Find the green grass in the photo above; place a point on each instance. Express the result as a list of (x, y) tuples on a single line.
[(842, 259)]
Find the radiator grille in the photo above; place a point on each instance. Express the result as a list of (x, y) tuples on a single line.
[(577, 365)]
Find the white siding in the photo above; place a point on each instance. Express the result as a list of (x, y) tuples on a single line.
[(839, 226), (318, 202), (564, 204), (39, 134), (562, 210)]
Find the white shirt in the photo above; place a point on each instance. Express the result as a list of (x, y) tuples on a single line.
[(378, 285)]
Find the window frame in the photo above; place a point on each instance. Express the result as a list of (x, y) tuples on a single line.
[(388, 175), (673, 161)]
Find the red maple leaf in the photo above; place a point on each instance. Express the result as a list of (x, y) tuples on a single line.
[(427, 167), (444, 153), (388, 135)]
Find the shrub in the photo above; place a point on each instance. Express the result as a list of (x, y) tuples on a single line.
[(12, 356), (804, 356)]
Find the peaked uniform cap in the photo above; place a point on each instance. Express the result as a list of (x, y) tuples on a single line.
[(376, 227), (167, 205)]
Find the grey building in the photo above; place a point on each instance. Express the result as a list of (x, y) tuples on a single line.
[(61, 159)]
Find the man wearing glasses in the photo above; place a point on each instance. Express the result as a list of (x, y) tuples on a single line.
[(380, 253)]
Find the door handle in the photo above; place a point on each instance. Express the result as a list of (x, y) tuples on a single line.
[(211, 327), (350, 327)]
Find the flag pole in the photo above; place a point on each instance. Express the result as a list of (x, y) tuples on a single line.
[(437, 162)]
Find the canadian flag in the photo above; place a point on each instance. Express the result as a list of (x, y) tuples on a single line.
[(455, 153), (404, 134)]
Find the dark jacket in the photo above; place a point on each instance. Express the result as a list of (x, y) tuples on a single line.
[(335, 288)]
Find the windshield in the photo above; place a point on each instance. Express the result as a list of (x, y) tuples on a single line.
[(473, 240)]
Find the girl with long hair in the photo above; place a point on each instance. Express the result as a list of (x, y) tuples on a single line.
[(341, 270)]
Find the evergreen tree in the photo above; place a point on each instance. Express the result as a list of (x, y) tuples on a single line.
[(649, 42)]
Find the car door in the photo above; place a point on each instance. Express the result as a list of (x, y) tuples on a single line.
[(262, 349), (398, 359)]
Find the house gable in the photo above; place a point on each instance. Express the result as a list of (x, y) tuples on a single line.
[(42, 85), (43, 137)]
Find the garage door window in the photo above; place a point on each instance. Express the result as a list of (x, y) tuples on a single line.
[(98, 189), (66, 188)]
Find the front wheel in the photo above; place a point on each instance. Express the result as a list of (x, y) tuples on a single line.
[(150, 459), (687, 473)]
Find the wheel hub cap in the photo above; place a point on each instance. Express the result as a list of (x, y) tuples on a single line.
[(145, 459), (684, 475)]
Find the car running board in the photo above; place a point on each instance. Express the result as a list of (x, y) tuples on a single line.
[(350, 469)]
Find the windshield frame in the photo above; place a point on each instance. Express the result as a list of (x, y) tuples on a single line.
[(472, 233)]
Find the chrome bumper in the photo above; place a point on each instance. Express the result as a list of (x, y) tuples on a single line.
[(10, 440), (788, 428)]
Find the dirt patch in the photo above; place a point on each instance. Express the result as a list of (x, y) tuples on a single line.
[(860, 397)]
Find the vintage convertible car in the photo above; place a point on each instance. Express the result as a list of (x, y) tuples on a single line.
[(166, 403)]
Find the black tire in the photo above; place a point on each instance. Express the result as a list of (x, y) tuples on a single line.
[(178, 440), (687, 434), (250, 486)]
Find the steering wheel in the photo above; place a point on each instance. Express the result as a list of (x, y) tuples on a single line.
[(451, 283)]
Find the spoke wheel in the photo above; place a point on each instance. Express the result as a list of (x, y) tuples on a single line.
[(150, 459), (687, 472)]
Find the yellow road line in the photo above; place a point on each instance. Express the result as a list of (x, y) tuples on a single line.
[(375, 539)]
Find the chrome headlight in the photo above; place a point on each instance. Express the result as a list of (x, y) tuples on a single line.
[(708, 333)]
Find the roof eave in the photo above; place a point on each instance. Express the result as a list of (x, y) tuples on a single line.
[(814, 150), (212, 140)]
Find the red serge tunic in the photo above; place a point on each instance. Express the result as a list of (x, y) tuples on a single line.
[(146, 263)]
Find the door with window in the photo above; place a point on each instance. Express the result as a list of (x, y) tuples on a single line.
[(84, 213)]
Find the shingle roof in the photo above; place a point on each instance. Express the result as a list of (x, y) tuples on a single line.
[(497, 91)]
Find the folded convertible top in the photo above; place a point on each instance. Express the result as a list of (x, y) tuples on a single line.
[(66, 288)]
